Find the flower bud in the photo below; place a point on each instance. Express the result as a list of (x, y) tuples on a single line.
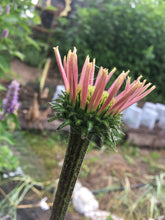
[(5, 33), (7, 9), (2, 116)]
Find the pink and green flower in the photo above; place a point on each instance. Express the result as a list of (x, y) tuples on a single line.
[(112, 101), (91, 110)]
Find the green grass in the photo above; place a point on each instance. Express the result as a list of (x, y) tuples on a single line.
[(155, 155), (39, 153)]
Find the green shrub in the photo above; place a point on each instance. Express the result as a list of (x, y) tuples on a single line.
[(126, 34), (8, 162), (34, 56), (18, 30)]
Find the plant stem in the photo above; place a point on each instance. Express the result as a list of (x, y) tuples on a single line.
[(75, 153)]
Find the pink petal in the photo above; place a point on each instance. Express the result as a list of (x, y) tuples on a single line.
[(61, 68), (84, 91), (98, 76), (92, 73), (111, 73), (130, 89), (136, 99), (83, 71), (75, 77), (121, 100), (72, 73), (69, 72), (99, 89), (113, 90), (139, 90), (65, 66)]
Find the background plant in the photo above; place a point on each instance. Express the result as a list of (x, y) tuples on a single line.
[(10, 202), (8, 121), (126, 34), (149, 199), (8, 161), (14, 17)]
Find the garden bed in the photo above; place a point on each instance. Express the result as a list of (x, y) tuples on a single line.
[(41, 155)]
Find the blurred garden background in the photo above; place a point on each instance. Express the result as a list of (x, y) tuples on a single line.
[(126, 34)]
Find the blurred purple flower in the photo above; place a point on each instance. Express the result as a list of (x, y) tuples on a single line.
[(10, 103), (5, 33), (0, 10), (7, 9), (2, 116)]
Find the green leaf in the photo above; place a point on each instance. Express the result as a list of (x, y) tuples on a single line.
[(11, 19), (33, 42), (106, 123), (52, 119), (15, 119), (129, 159), (65, 123), (18, 54), (2, 47), (78, 122), (90, 125), (37, 19), (113, 146), (3, 138), (50, 7), (4, 63), (2, 88)]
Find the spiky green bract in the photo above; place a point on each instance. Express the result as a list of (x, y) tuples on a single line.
[(107, 127)]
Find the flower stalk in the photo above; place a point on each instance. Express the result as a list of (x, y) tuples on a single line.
[(75, 153)]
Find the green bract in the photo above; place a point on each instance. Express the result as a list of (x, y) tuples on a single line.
[(88, 123)]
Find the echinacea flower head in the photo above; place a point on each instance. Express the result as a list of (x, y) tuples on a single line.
[(10, 104), (88, 104)]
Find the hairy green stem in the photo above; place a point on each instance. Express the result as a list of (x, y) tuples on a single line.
[(75, 153)]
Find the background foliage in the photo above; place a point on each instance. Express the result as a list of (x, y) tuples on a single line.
[(8, 161), (18, 22), (127, 34)]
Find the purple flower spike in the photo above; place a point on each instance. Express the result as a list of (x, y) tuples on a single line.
[(5, 33), (7, 9), (10, 103)]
